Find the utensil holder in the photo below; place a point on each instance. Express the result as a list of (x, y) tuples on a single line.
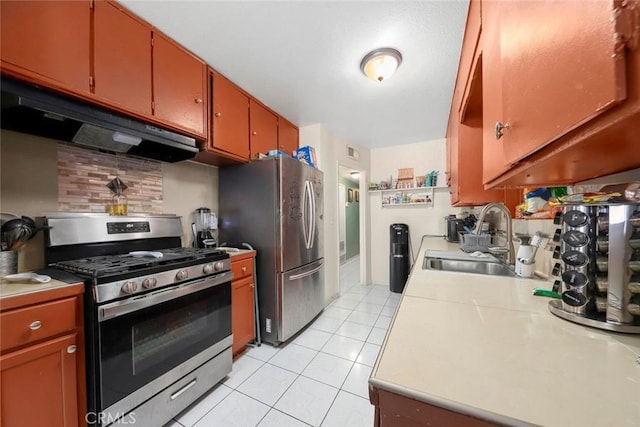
[(8, 263)]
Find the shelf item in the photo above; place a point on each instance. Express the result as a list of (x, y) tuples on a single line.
[(393, 190), (407, 196)]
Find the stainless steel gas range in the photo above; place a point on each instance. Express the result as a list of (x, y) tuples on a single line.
[(157, 316)]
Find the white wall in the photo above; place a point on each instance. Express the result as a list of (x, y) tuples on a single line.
[(423, 157), (331, 151)]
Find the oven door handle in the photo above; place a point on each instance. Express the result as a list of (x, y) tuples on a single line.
[(119, 308)]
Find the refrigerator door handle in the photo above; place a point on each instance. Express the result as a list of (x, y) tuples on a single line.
[(305, 214), (312, 231), (307, 273), (309, 214)]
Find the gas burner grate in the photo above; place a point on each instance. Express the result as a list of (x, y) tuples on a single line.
[(108, 265)]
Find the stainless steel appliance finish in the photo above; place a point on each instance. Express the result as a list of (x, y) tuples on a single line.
[(37, 111), (599, 255), (579, 243), (157, 322), (276, 205), (81, 228), (453, 226)]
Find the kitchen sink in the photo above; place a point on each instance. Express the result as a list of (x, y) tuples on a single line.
[(468, 266)]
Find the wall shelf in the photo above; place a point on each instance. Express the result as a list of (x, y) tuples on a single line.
[(414, 196)]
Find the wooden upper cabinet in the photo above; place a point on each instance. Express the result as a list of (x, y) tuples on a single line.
[(263, 125), (465, 131), (288, 136), (229, 118), (555, 74), (179, 86), (47, 43), (493, 155), (122, 58)]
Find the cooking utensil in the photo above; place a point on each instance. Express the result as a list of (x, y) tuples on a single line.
[(15, 233), (27, 277)]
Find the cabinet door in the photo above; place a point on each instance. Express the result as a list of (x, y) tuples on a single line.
[(493, 155), (242, 313), (47, 42), (287, 136), (560, 69), (38, 385), (230, 117), (264, 129), (122, 58), (179, 81)]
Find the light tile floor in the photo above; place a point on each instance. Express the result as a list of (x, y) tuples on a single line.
[(319, 378)]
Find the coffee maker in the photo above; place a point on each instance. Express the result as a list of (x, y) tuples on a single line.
[(203, 221)]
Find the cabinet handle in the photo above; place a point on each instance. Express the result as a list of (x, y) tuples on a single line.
[(71, 349), (244, 269), (499, 129), (252, 286), (218, 114), (35, 325), (198, 100), (254, 133)]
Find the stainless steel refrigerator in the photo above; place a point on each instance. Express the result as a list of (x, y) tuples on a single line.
[(275, 205)]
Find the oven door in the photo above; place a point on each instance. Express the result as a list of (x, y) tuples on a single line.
[(150, 341)]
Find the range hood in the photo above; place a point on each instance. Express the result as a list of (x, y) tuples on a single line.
[(36, 111)]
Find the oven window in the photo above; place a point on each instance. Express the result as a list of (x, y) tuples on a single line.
[(138, 347), (161, 335)]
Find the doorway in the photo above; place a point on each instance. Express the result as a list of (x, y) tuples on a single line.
[(349, 227)]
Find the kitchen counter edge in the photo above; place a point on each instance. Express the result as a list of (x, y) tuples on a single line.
[(417, 291)]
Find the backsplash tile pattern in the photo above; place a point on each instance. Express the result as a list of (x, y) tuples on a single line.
[(83, 176)]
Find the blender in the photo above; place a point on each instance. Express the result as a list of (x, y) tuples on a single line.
[(202, 222)]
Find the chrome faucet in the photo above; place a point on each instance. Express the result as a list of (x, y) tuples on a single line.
[(511, 255)]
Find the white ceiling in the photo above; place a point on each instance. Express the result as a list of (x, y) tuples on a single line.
[(302, 59)]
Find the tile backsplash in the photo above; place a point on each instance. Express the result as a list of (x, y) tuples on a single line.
[(83, 176)]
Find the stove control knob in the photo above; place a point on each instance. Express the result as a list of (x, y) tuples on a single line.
[(149, 283), (182, 275), (208, 268), (218, 266), (129, 287)]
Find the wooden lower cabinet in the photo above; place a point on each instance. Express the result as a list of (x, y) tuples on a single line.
[(242, 301), (42, 359), (394, 410), (39, 384)]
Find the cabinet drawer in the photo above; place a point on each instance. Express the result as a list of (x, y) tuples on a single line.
[(242, 268), (26, 325)]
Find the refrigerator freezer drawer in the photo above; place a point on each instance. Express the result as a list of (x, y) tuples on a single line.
[(302, 297)]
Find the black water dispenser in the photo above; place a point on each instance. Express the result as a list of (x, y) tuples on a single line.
[(399, 257)]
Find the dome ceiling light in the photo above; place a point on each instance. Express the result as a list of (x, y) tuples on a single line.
[(381, 63)]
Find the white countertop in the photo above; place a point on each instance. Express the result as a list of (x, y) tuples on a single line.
[(485, 346), (12, 289)]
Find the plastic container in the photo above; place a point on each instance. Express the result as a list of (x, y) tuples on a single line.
[(475, 242)]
